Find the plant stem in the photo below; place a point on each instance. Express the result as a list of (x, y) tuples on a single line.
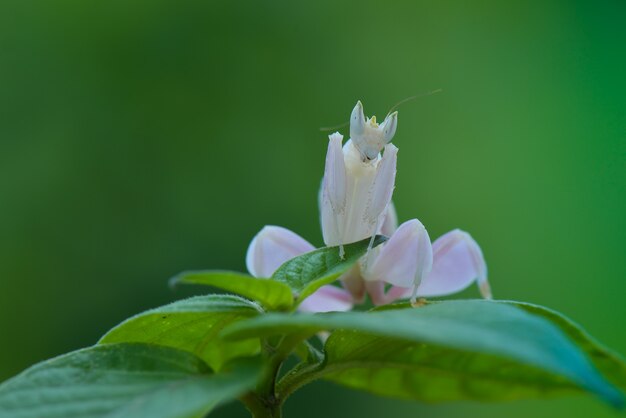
[(297, 378), (264, 403), (267, 400), (259, 408), (268, 383)]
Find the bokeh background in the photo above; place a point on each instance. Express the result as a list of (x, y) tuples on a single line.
[(142, 138)]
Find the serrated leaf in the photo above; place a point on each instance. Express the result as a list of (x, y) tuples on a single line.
[(123, 381), (271, 294), (191, 325), (470, 327), (308, 272)]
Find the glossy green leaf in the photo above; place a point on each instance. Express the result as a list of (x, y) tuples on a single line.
[(271, 294), (123, 381), (307, 273), (191, 325), (470, 327)]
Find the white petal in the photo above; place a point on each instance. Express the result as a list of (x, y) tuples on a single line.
[(327, 299), (404, 260), (271, 247), (458, 261)]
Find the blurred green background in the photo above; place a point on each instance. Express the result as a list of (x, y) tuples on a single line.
[(142, 138)]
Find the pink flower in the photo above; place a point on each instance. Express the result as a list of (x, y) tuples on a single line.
[(274, 245), (415, 268)]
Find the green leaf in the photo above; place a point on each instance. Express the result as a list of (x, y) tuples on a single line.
[(453, 375), (191, 325), (463, 329), (271, 294), (608, 362), (307, 273), (431, 373), (123, 381)]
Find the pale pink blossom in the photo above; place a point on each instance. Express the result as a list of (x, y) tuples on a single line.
[(414, 268), (274, 245)]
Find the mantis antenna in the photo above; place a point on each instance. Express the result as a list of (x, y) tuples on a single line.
[(333, 128), (394, 107), (408, 99)]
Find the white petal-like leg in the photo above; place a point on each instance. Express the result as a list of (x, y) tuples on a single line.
[(394, 293), (382, 188), (327, 299), (390, 224), (378, 295), (457, 262), (335, 173), (381, 192), (271, 247), (403, 261), (376, 292), (333, 199)]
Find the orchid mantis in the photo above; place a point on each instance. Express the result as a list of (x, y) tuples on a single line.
[(355, 203)]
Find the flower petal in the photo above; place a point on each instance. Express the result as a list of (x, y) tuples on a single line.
[(457, 262), (327, 299), (404, 260), (271, 247)]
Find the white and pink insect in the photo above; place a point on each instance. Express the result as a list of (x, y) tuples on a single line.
[(355, 204)]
